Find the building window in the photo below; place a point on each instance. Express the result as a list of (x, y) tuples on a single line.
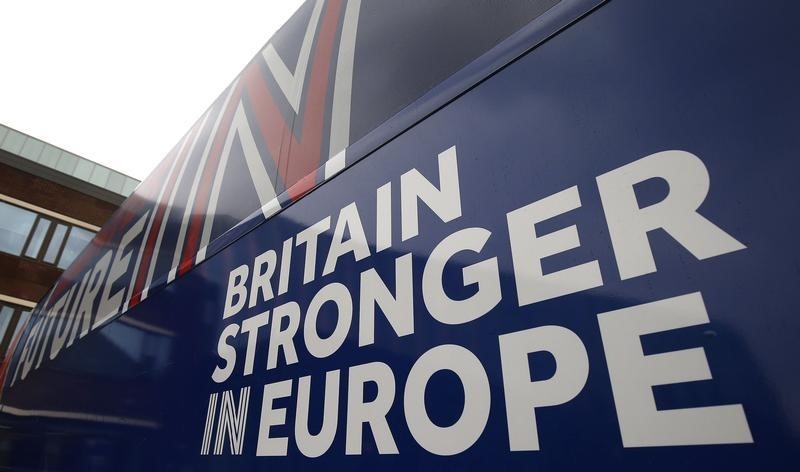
[(15, 225), (77, 239), (12, 319), (29, 234)]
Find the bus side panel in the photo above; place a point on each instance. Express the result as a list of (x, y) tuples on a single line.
[(553, 323)]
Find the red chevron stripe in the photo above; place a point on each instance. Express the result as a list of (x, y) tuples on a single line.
[(111, 231), (304, 157), (200, 206), (160, 211)]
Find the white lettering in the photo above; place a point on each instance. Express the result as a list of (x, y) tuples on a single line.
[(373, 412), (485, 274), (458, 437), (398, 309), (633, 375), (236, 290), (528, 249), (677, 214), (522, 394), (323, 347), (444, 201)]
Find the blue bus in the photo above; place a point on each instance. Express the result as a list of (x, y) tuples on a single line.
[(543, 234)]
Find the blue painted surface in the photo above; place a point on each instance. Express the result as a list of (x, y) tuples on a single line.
[(716, 79)]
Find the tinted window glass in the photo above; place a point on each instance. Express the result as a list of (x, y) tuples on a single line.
[(401, 54), (38, 236), (55, 244), (15, 225), (23, 318), (12, 319), (77, 240), (6, 312)]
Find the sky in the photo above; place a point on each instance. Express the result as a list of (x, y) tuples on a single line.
[(119, 83)]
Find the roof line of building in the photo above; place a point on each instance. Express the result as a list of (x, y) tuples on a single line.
[(35, 150)]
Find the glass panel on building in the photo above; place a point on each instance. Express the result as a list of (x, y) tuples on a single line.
[(35, 244), (49, 154), (32, 149), (83, 170), (77, 240), (115, 182), (50, 159), (23, 320), (3, 131), (12, 319), (67, 163), (100, 176), (15, 225), (129, 187), (6, 313), (54, 247), (13, 141)]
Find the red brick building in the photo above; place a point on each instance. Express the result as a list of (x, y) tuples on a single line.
[(52, 202)]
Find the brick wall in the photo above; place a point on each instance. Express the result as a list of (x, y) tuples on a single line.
[(29, 279)]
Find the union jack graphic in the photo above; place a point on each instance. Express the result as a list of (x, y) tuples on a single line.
[(291, 127), (278, 116)]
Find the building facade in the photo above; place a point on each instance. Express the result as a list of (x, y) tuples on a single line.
[(52, 202)]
